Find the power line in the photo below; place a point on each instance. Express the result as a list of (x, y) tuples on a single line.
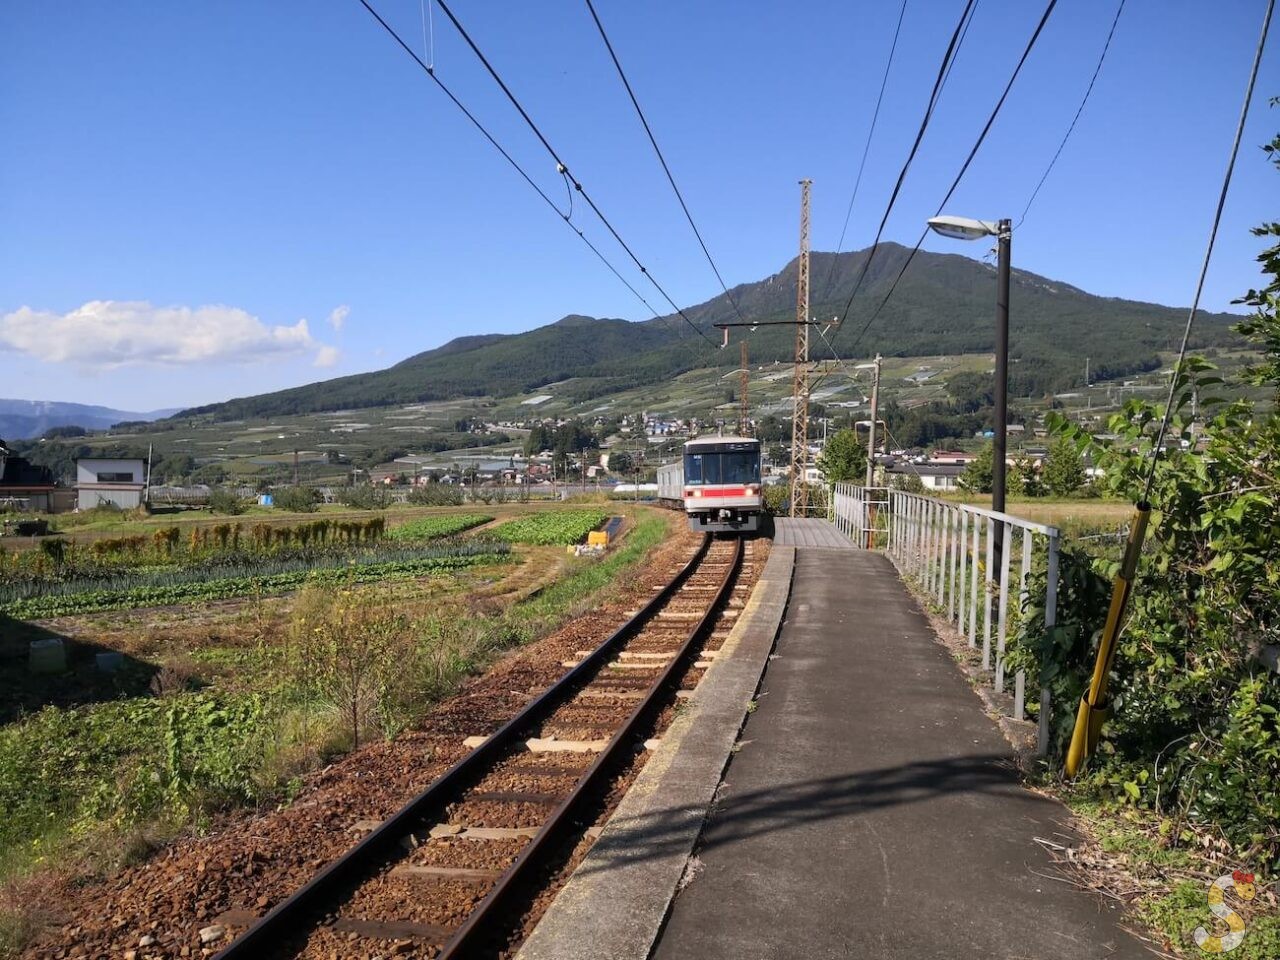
[(1044, 18), (1208, 254), (564, 167), (943, 68), (1076, 119), (866, 148), (663, 160), (430, 72)]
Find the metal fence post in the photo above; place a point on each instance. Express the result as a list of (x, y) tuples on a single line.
[(1050, 620), (973, 581), (1006, 559), (957, 545), (1020, 679), (944, 519), (986, 589)]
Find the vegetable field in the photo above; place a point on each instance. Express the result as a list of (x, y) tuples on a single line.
[(431, 528), (195, 586), (549, 529)]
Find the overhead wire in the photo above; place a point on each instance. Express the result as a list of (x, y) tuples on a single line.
[(1094, 704), (662, 159), (953, 47), (564, 168), (1208, 254), (524, 175), (866, 148), (1044, 18), (1076, 119)]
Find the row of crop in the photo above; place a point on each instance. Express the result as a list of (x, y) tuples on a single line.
[(431, 528), (225, 588), (235, 565), (544, 529), (62, 559)]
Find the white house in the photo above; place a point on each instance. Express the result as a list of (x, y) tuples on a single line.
[(108, 481)]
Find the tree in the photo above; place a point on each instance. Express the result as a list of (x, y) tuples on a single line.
[(1064, 469), (1024, 479), (843, 459), (978, 475), (621, 463)]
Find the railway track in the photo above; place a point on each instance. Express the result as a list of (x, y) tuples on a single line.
[(453, 871)]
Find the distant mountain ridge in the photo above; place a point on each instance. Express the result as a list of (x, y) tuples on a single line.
[(944, 305), (26, 419)]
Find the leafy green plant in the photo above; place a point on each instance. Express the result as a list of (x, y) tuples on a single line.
[(430, 528), (560, 527)]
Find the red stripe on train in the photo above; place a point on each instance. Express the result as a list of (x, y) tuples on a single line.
[(719, 492)]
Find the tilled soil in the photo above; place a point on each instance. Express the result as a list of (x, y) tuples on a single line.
[(254, 859)]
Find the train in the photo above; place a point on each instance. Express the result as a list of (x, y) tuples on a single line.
[(717, 484)]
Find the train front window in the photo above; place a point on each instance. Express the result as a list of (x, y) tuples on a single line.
[(714, 468)]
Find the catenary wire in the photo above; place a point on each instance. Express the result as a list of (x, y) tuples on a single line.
[(444, 88), (1076, 119), (953, 48), (662, 159), (564, 168), (866, 149), (1208, 254), (1044, 18)]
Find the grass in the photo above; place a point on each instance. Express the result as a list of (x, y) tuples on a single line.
[(1179, 912), (1168, 881)]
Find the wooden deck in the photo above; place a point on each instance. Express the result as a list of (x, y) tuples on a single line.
[(809, 532)]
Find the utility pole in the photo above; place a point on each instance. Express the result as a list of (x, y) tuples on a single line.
[(295, 467), (744, 381), (800, 390), (871, 434), (1004, 241)]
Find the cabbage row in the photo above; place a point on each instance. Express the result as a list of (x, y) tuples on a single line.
[(230, 587), (561, 527), (429, 528)]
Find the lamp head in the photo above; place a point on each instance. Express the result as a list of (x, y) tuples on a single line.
[(964, 228)]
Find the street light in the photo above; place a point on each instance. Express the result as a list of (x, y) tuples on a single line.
[(963, 228)]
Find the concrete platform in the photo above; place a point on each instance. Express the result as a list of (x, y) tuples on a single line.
[(809, 532), (613, 906), (872, 809)]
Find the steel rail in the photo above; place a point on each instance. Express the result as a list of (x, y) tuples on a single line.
[(362, 859), (554, 828)]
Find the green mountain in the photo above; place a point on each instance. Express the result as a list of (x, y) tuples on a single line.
[(943, 305)]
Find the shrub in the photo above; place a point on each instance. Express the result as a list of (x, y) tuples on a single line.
[(224, 501), (436, 495), (365, 497), (295, 499)]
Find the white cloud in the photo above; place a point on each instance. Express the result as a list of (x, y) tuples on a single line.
[(327, 356), (338, 317), (115, 333)]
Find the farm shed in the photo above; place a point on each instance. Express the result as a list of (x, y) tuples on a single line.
[(108, 481)]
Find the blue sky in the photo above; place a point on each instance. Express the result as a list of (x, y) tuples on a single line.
[(183, 183)]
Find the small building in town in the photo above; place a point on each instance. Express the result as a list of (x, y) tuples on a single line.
[(101, 481), (933, 475), (24, 487)]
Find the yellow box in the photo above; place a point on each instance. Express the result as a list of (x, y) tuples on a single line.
[(597, 538)]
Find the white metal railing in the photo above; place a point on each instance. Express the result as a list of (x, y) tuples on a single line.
[(862, 514), (961, 557)]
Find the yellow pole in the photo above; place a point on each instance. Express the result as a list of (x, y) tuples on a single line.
[(1093, 710)]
